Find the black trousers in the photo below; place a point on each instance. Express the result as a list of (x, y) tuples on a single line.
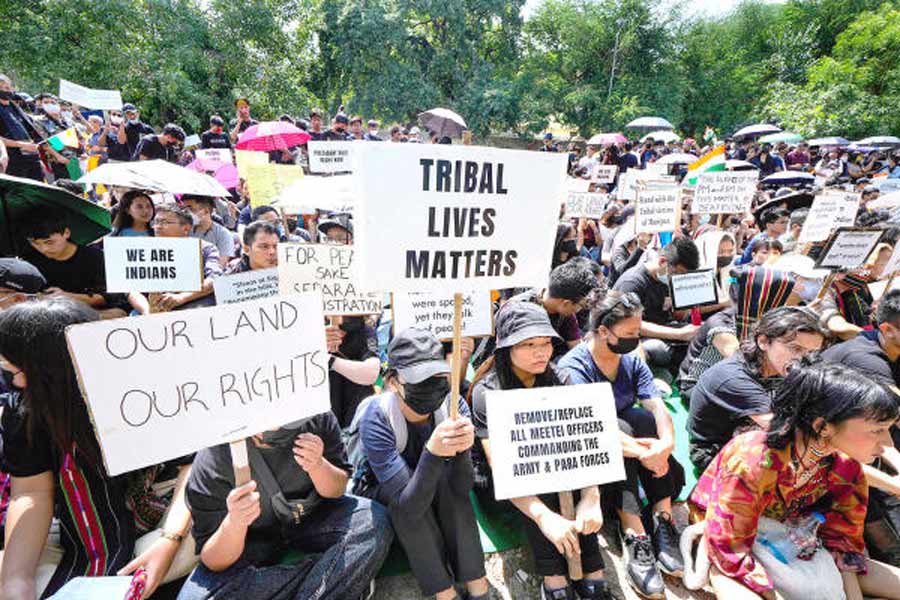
[(548, 562), (28, 166), (625, 495)]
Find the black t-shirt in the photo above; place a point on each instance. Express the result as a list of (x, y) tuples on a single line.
[(654, 294), (864, 354), (244, 124), (14, 124), (417, 435), (627, 161), (134, 133), (360, 343), (83, 273), (150, 147), (725, 398), (210, 139), (212, 478), (718, 322)]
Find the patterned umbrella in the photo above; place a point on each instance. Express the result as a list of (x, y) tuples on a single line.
[(272, 135), (604, 139)]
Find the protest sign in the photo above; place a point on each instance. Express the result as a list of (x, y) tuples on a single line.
[(330, 157), (632, 178), (434, 312), (893, 263), (585, 204), (829, 210), (658, 208), (331, 269), (553, 439), (88, 98), (308, 194), (696, 288), (246, 286), (886, 185), (450, 218), (577, 184), (849, 248), (166, 385), (244, 158), (192, 141), (222, 155), (605, 173), (879, 288), (266, 182), (152, 264), (724, 192)]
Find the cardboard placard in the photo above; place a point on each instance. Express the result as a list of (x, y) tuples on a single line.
[(829, 210), (153, 264), (658, 208), (879, 288), (266, 182), (330, 157), (631, 179), (605, 173), (577, 184), (246, 286), (222, 155), (724, 192), (244, 158), (309, 194), (697, 288), (449, 218), (331, 269), (192, 141), (553, 439), (849, 248), (586, 205), (434, 312), (166, 385), (88, 98)]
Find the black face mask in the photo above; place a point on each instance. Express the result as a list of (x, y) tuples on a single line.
[(4, 95), (8, 377), (352, 325), (569, 247), (723, 261), (425, 397), (624, 345)]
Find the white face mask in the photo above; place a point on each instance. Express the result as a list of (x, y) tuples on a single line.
[(51, 108)]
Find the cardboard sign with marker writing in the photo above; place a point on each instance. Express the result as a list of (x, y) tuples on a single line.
[(829, 210), (553, 439), (167, 385), (658, 208), (89, 98), (632, 179), (605, 173), (849, 248), (724, 192), (697, 288), (585, 204), (330, 269), (330, 157), (152, 264), (309, 194), (246, 286), (434, 312)]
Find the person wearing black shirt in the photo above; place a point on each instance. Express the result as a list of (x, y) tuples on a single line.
[(315, 125), (19, 135), (164, 146), (215, 136), (130, 132), (338, 131)]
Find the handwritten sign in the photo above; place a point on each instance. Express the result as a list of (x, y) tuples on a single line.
[(330, 269), (633, 178), (244, 158), (586, 204), (222, 155), (434, 312), (849, 248), (658, 208), (246, 286), (605, 173), (88, 98), (264, 363), (330, 157), (152, 264), (697, 288), (724, 192), (266, 182), (829, 211), (309, 194), (553, 439), (192, 140)]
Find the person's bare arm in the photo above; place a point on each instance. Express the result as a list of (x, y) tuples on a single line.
[(663, 332), (226, 545), (120, 134), (362, 372), (726, 343), (329, 480), (28, 519), (762, 420)]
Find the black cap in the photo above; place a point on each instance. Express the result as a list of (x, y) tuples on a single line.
[(16, 274), (417, 354), (518, 321), (315, 112), (128, 106), (216, 120), (342, 220), (342, 119)]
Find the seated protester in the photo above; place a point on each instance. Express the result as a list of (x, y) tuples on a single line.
[(851, 290), (764, 251), (416, 462), (629, 254), (260, 248), (56, 471), (134, 214), (715, 341), (795, 225), (584, 315), (172, 220), (664, 337), (827, 421), (566, 245), (737, 392), (773, 222), (648, 440), (589, 240), (243, 531), (271, 215), (202, 207), (165, 146), (522, 360)]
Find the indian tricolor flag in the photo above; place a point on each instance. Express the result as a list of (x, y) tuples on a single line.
[(67, 138), (714, 160)]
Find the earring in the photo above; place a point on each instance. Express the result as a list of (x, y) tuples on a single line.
[(817, 450)]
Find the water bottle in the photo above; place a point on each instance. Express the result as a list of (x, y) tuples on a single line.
[(802, 540)]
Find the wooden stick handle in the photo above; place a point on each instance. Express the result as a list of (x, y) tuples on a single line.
[(240, 462), (456, 359), (825, 285), (567, 510)]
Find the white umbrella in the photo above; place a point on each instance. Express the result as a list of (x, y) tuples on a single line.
[(677, 158), (880, 140), (785, 176), (650, 123), (739, 165), (828, 141), (754, 130), (443, 121), (662, 136), (156, 176)]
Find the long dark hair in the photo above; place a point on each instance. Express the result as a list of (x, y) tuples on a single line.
[(501, 362), (616, 307), (32, 337), (562, 230), (784, 322), (123, 218), (831, 391)]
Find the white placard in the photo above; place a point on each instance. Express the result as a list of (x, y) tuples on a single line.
[(553, 439), (724, 192), (222, 155), (450, 218), (849, 248), (886, 184), (166, 385), (88, 98), (577, 184), (330, 157), (192, 140), (893, 263), (631, 179), (331, 269), (693, 289), (605, 173), (829, 210), (246, 286), (152, 264), (434, 312), (586, 204), (308, 194), (658, 208), (879, 288)]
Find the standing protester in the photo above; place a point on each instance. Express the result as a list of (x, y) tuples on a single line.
[(19, 135), (165, 146), (260, 248), (130, 132), (372, 133), (242, 120), (215, 136)]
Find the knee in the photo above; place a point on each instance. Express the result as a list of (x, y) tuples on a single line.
[(371, 520), (657, 351), (641, 422)]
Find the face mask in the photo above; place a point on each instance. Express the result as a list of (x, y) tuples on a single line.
[(569, 247), (132, 121), (624, 345), (52, 109), (4, 95), (723, 261), (424, 398), (663, 278), (352, 325), (115, 121), (704, 219), (66, 114)]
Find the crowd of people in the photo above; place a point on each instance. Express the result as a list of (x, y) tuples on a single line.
[(789, 382)]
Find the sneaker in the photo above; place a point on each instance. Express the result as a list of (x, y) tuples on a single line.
[(666, 545), (640, 564), (565, 593), (597, 589)]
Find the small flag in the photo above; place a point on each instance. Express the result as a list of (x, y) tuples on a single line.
[(67, 138), (74, 169), (713, 160)]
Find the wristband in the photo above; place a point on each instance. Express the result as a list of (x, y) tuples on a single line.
[(175, 537)]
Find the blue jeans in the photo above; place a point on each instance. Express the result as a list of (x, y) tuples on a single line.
[(352, 535)]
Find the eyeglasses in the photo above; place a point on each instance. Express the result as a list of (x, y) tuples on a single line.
[(162, 223)]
